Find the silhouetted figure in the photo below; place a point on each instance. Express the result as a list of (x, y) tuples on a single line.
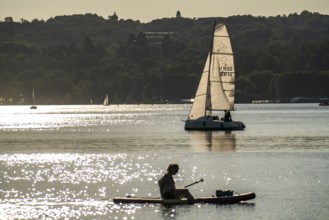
[(227, 116), (167, 186)]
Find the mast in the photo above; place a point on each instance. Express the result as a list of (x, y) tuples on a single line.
[(209, 68)]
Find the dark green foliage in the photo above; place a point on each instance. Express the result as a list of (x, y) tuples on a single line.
[(78, 58)]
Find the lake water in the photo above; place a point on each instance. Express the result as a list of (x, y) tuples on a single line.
[(68, 162)]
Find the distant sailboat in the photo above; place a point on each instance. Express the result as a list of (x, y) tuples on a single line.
[(33, 101), (216, 88), (106, 100)]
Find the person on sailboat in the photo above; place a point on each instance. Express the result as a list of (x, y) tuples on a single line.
[(227, 116), (167, 186)]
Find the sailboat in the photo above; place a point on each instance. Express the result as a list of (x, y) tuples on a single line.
[(33, 101), (216, 90), (106, 100)]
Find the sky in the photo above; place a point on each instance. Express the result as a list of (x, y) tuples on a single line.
[(148, 10)]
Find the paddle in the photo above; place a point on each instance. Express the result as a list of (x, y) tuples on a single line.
[(201, 180)]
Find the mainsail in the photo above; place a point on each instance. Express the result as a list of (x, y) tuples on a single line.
[(222, 73), (216, 87)]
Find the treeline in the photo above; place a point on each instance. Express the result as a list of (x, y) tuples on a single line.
[(78, 58)]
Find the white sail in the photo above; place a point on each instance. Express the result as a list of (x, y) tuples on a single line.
[(198, 108), (33, 101), (33, 97), (106, 100), (216, 87), (222, 73)]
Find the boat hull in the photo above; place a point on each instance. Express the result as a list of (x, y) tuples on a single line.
[(212, 200), (323, 103), (213, 124)]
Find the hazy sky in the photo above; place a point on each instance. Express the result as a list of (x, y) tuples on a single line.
[(148, 10)]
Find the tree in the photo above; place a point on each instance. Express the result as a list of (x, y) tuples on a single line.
[(141, 40), (131, 40), (9, 20), (274, 57), (171, 48), (114, 17), (261, 81), (24, 21), (88, 46)]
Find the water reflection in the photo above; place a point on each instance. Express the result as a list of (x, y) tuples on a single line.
[(212, 140), (190, 211), (168, 212)]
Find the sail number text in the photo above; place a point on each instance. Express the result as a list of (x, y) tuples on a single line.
[(226, 71)]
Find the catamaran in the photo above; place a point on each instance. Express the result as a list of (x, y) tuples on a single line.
[(216, 90)]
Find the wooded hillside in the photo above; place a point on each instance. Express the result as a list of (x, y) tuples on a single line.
[(78, 58)]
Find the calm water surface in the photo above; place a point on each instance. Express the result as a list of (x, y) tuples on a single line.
[(67, 162)]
